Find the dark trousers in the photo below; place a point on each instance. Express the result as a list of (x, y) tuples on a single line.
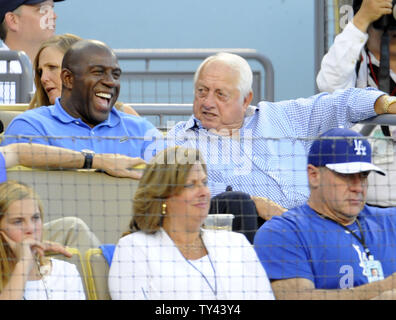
[(240, 204)]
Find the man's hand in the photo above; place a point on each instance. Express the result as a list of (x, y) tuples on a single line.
[(387, 295), (370, 11), (51, 248), (266, 208), (118, 165)]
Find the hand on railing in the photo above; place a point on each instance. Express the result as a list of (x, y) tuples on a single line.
[(119, 165)]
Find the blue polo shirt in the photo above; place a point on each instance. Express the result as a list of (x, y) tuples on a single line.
[(121, 133), (3, 171)]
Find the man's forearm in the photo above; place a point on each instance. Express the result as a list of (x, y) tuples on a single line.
[(303, 289), (42, 156), (51, 157)]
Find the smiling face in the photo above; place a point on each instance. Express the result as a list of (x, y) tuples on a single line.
[(187, 210), (49, 70), (217, 102), (94, 82), (22, 220)]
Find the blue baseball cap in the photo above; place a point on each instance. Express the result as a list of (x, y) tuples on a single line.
[(11, 5), (344, 151)]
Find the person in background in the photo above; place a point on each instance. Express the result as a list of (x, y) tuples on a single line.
[(168, 255), (25, 271), (47, 66), (24, 25), (353, 58), (328, 247)]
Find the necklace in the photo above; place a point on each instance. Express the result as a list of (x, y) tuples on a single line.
[(195, 246), (43, 270), (214, 290)]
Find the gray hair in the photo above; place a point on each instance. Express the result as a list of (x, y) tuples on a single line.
[(236, 63)]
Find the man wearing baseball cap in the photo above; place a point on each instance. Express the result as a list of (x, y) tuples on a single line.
[(334, 241), (24, 25)]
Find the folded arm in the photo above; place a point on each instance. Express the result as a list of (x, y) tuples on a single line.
[(267, 208), (43, 156), (304, 289)]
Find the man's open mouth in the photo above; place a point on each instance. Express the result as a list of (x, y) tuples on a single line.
[(103, 100)]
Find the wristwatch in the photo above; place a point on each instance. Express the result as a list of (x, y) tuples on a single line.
[(88, 154), (387, 102)]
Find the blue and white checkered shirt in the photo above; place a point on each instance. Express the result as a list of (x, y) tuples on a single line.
[(267, 157)]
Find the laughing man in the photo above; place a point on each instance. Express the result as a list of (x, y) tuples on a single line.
[(83, 118)]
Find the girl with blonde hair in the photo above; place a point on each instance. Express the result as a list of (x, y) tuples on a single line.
[(25, 271)]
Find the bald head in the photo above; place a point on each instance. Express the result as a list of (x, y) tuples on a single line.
[(82, 50)]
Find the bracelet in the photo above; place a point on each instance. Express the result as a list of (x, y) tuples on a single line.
[(387, 102)]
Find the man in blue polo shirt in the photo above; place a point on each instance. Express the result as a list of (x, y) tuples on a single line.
[(334, 241), (83, 118)]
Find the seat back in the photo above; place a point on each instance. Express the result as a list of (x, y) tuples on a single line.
[(6, 116), (97, 272), (103, 202), (77, 260), (380, 188)]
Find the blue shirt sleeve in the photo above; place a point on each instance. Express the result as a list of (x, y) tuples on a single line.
[(3, 169), (20, 130), (309, 117), (281, 252)]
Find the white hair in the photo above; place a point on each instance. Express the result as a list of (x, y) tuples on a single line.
[(236, 63)]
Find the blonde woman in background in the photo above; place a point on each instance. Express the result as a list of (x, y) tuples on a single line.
[(25, 271), (168, 255)]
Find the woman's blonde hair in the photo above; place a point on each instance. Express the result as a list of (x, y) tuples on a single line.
[(61, 42), (163, 177), (10, 192)]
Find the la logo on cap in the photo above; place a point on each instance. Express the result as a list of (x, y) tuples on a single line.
[(359, 147)]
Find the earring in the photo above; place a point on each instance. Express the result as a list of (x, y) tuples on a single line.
[(163, 209)]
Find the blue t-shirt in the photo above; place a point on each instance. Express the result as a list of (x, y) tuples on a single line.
[(121, 133), (3, 169), (302, 244)]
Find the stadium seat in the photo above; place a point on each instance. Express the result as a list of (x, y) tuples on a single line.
[(77, 260), (97, 272), (103, 202), (7, 115)]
